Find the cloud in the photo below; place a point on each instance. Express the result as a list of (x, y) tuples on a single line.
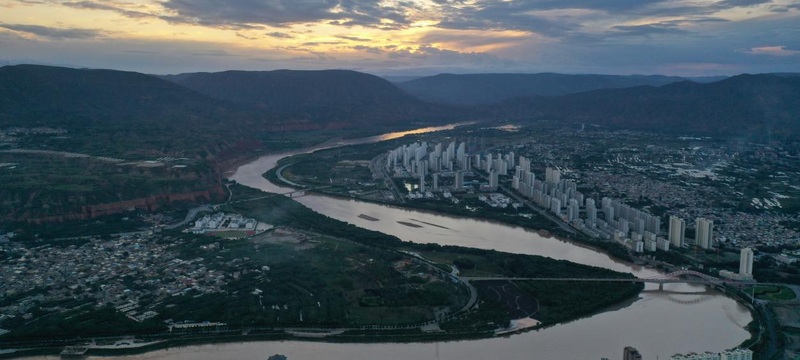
[(212, 52), (368, 49), (648, 30), (54, 33), (470, 40), (502, 15), (772, 50), (281, 13), (431, 56), (353, 38), (280, 35), (741, 3), (318, 43), (89, 5)]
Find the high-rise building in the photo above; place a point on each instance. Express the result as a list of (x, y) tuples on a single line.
[(435, 182), (746, 262), (422, 183), (631, 353), (555, 206), (591, 214), (573, 210), (677, 230), (704, 237), (459, 180), (735, 354), (493, 179), (552, 175)]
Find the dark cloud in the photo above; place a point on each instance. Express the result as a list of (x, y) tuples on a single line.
[(246, 13), (369, 49), (280, 35), (89, 5), (243, 36), (538, 5), (54, 33), (501, 15), (318, 43), (352, 38), (741, 3), (648, 30)]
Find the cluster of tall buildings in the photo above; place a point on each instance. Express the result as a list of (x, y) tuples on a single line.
[(704, 232), (736, 354), (637, 229), (632, 227), (421, 160)]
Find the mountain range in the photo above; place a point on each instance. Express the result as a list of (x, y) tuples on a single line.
[(476, 89), (341, 97), (45, 93), (246, 102), (756, 106)]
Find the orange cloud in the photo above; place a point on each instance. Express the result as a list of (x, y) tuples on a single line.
[(773, 50)]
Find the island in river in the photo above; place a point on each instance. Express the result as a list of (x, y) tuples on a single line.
[(684, 321), (316, 277)]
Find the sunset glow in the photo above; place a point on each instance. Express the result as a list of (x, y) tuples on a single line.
[(405, 37)]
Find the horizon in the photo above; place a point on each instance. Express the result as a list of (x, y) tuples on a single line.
[(385, 76)]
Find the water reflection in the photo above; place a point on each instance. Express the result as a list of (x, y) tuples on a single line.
[(682, 318)]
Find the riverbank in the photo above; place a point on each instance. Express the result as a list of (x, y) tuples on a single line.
[(473, 324), (350, 337), (613, 250), (693, 322)]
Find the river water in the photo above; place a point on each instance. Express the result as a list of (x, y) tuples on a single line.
[(681, 319)]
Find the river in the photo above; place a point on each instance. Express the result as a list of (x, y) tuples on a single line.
[(681, 319)]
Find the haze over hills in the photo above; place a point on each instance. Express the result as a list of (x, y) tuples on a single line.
[(474, 89), (231, 102), (237, 103), (758, 106), (338, 96), (44, 92)]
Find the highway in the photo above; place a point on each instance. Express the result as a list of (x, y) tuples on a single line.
[(377, 167), (550, 216), (279, 173)]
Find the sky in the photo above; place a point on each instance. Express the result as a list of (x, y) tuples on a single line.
[(407, 37)]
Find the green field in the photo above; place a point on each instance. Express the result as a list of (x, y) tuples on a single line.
[(772, 293)]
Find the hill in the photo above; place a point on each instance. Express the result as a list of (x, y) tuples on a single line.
[(757, 106), (473, 89), (42, 93), (343, 97)]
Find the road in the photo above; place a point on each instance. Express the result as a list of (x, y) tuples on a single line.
[(279, 173), (547, 214), (377, 168), (566, 227), (190, 216)]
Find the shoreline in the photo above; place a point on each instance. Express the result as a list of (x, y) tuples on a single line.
[(545, 233), (285, 336), (354, 339)]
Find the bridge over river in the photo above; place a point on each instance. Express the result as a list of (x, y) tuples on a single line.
[(683, 276)]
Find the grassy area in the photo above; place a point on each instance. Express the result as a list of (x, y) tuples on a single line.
[(772, 293), (347, 277), (315, 280), (281, 210)]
